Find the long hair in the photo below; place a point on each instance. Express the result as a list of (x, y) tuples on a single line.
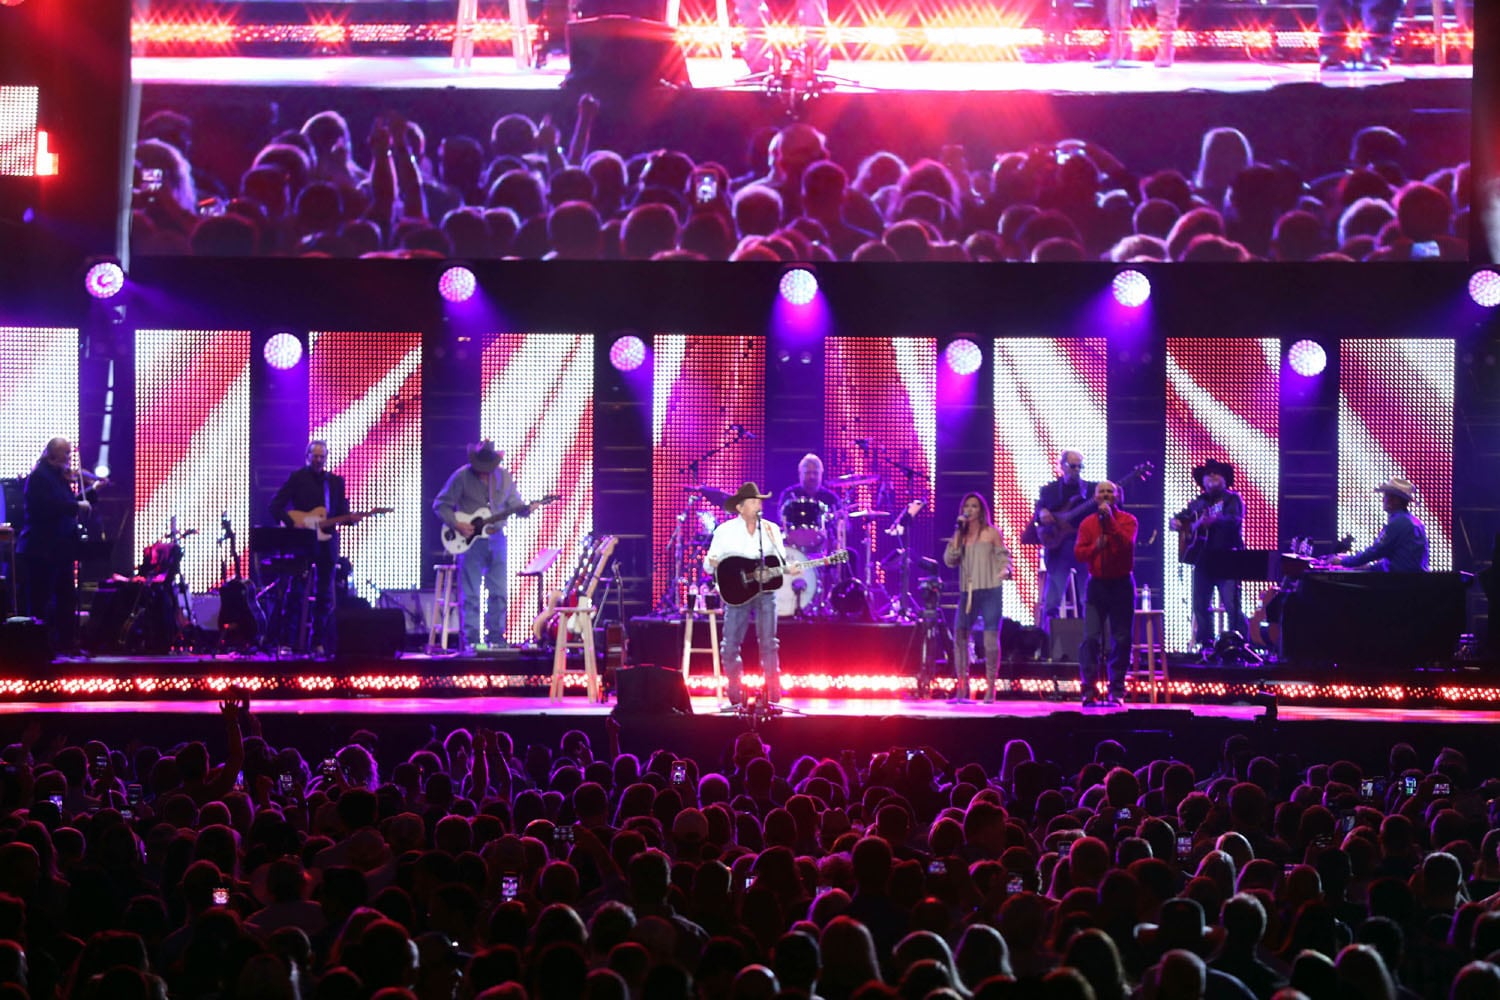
[(984, 508)]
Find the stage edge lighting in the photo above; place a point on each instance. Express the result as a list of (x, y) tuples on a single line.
[(799, 286), (627, 353), (1131, 288), (1307, 358), (283, 351), (104, 279), (963, 357), (457, 284), (1484, 289)]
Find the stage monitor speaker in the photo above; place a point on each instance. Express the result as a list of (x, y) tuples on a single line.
[(613, 54), (1064, 638), (651, 691), (24, 644), (370, 633)]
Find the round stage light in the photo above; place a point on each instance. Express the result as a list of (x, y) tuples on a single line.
[(457, 284), (1131, 288), (1484, 289), (627, 353), (104, 280), (963, 357), (102, 471), (283, 351), (1307, 358), (799, 286)]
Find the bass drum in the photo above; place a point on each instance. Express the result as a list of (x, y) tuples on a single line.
[(796, 592), (804, 522)]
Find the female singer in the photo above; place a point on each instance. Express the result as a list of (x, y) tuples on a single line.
[(978, 551)]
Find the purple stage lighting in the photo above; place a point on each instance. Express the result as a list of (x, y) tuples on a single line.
[(799, 286), (627, 353), (283, 351), (457, 284), (963, 357), (1484, 289), (1132, 288), (104, 280), (1307, 358)]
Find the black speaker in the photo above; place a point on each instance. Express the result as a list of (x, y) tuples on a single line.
[(651, 691), (370, 633), (1065, 636), (23, 644), (612, 54)]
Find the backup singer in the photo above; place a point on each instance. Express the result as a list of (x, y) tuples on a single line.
[(750, 536), (48, 545), (1402, 546), (977, 550), (1060, 564), (1214, 522), (308, 488), (1106, 545)]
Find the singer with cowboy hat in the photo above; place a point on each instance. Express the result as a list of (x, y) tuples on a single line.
[(749, 536), (1213, 522), (1401, 547), (481, 483)]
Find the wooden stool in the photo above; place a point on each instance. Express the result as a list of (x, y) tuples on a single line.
[(1070, 607), (1148, 653), (688, 649), (583, 614), (444, 604)]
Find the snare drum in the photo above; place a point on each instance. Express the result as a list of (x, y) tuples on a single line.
[(796, 592), (804, 522)]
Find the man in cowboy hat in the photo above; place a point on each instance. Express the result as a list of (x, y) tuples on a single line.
[(306, 489), (748, 536), (481, 483), (1213, 522), (1401, 547)]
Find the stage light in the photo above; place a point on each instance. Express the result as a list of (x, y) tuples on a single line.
[(963, 357), (104, 280), (1131, 288), (457, 284), (799, 286), (102, 471), (283, 351), (627, 353), (1484, 289), (1307, 358)]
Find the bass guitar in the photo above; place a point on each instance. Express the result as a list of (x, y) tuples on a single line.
[(485, 522), (318, 519), (1065, 521), (741, 579)]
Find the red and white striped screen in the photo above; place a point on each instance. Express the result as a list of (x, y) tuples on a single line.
[(38, 394), (1396, 419), (1050, 395), (882, 391), (364, 397), (192, 440), (1223, 400), (700, 387), (537, 403), (18, 115)]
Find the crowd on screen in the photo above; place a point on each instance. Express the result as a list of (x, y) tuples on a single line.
[(472, 867), (524, 191)]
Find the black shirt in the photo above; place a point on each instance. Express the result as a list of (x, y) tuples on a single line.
[(51, 514), (304, 490)]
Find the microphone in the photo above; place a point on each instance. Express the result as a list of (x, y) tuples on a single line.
[(961, 523), (1103, 512)]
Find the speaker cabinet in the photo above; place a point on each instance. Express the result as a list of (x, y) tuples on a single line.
[(651, 691), (370, 633), (608, 55), (1064, 638)]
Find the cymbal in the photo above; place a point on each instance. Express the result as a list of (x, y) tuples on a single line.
[(854, 479), (856, 514), (708, 493)]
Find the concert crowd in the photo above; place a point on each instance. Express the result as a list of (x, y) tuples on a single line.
[(473, 867), (526, 191)]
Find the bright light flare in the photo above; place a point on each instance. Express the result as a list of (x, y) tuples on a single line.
[(104, 280), (1484, 289), (627, 353), (1131, 288), (1307, 358), (799, 286), (283, 351), (457, 284), (963, 357)]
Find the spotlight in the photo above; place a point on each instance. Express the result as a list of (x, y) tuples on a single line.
[(457, 284), (627, 353), (1307, 358), (963, 357), (799, 286), (102, 471), (1131, 288), (105, 279), (283, 351), (1484, 289)]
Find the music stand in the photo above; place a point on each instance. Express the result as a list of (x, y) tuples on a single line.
[(539, 565), (1239, 564), (288, 553)]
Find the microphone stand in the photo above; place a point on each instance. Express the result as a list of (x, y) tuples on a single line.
[(677, 546)]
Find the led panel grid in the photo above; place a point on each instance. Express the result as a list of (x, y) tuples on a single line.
[(18, 111), (1223, 400), (1050, 395), (537, 403), (700, 386), (883, 392), (1396, 419), (365, 399), (38, 394), (192, 441)]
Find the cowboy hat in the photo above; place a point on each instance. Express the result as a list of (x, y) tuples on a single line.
[(484, 456), (1214, 467), (744, 493), (1400, 487)]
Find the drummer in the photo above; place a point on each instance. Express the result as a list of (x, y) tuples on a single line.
[(807, 508)]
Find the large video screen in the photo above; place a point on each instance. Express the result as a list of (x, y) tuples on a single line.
[(820, 130)]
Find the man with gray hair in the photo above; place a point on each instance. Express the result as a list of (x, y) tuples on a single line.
[(49, 542)]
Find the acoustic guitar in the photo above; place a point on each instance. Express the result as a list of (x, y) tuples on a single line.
[(485, 522), (318, 518), (1065, 520), (741, 579)]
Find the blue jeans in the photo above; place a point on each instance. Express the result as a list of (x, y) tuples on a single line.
[(762, 608), (987, 605), (1060, 564), (1203, 598), (1109, 606), (484, 563)]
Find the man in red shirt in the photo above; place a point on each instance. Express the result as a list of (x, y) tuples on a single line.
[(1106, 545)]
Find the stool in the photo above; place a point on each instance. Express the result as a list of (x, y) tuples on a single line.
[(444, 604), (688, 649), (1148, 643), (581, 614), (1070, 607)]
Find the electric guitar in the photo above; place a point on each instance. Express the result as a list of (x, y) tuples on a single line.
[(1065, 520), (318, 518), (485, 522), (741, 579)]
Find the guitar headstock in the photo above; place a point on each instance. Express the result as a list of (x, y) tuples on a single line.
[(841, 556), (1142, 472)]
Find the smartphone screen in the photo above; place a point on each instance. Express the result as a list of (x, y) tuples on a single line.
[(1409, 785), (562, 834), (1015, 884), (679, 773), (221, 896), (1367, 788), (133, 794), (937, 868), (1442, 789), (1184, 846), (1124, 814), (510, 885), (749, 881), (706, 188), (284, 783), (329, 769), (55, 800)]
